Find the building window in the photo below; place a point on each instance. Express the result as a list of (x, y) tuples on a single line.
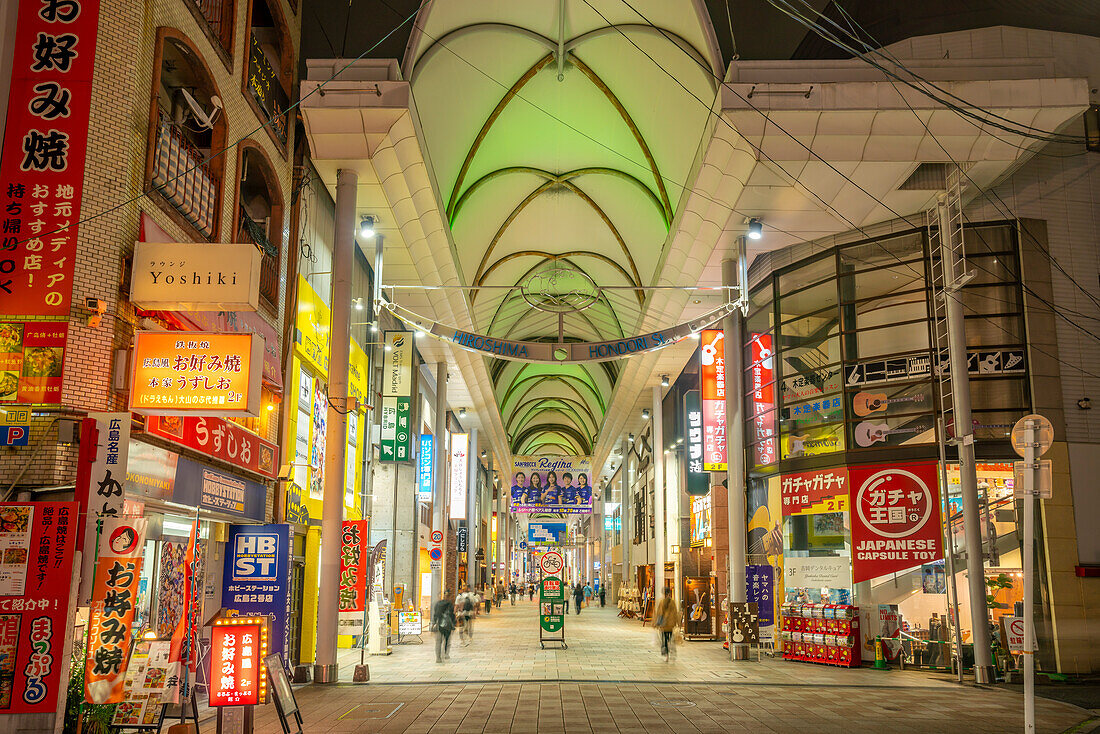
[(219, 15), (260, 216), (186, 125), (269, 72)]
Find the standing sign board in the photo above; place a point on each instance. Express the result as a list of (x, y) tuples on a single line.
[(144, 693), (255, 579), (895, 518), (551, 608), (238, 648), (744, 623), (37, 542), (114, 597)]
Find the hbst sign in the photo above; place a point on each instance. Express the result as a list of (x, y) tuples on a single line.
[(256, 557)]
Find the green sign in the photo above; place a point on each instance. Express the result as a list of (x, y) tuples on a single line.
[(396, 429), (551, 604), (551, 589)]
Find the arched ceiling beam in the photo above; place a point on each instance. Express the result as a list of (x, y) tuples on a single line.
[(531, 448), (680, 41), (543, 188), (565, 379), (576, 173), (553, 419), (465, 30), (567, 432), (640, 294), (537, 402), (549, 406), (583, 368)]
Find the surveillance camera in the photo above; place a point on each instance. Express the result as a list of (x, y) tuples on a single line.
[(96, 305)]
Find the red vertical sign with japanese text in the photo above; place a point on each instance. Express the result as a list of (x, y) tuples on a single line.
[(45, 143), (354, 559), (37, 542), (114, 599), (712, 384), (763, 400), (895, 518)]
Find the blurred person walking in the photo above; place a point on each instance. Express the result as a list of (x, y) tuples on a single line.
[(666, 618), (443, 624), (465, 611), (578, 596)]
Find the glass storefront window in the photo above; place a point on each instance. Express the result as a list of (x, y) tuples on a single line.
[(885, 311), (896, 278), (993, 330), (893, 339), (991, 299), (808, 301), (800, 440), (823, 268), (882, 252)]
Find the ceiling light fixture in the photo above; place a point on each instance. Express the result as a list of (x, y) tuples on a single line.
[(695, 335), (366, 225), (358, 303), (645, 414), (461, 412), (630, 437), (374, 327), (419, 333), (756, 229)]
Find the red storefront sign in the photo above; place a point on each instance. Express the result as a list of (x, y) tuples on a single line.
[(238, 646), (42, 171), (712, 383), (110, 624), (354, 556), (219, 438), (763, 399), (895, 514), (812, 492), (31, 359), (38, 539)]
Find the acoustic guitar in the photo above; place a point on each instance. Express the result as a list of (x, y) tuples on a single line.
[(868, 433), (866, 403), (698, 609)]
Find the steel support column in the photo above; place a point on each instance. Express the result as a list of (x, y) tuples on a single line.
[(733, 271), (659, 540), (439, 481)]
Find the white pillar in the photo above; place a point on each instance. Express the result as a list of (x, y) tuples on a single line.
[(733, 342), (332, 514), (659, 495), (473, 464), (626, 510)]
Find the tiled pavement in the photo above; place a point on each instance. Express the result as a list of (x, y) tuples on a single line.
[(612, 680)]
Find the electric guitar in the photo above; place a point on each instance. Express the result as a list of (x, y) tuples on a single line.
[(866, 403), (868, 433), (698, 611)]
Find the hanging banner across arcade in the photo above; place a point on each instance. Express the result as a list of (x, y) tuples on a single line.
[(256, 583), (540, 532), (37, 542), (895, 518), (114, 598), (44, 147), (712, 379), (557, 484), (698, 479)]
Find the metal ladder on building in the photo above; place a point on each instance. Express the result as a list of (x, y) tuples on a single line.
[(945, 277)]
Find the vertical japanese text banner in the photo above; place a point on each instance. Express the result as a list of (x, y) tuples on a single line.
[(354, 558), (111, 620), (99, 489), (712, 380), (45, 142), (698, 479), (460, 448), (39, 538), (396, 391)]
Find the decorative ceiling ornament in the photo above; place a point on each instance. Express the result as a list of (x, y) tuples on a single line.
[(558, 288)]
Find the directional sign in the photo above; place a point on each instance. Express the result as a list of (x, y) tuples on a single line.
[(551, 563)]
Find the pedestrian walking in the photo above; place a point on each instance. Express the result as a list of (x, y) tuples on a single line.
[(488, 598), (443, 624), (587, 595), (602, 594), (530, 592), (465, 611), (512, 593), (500, 594), (666, 618), (578, 596)]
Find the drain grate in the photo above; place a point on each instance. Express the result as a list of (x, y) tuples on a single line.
[(372, 710), (672, 703)]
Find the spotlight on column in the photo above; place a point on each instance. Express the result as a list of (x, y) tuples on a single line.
[(366, 226), (630, 437), (483, 454), (374, 327), (461, 412), (664, 380), (645, 414), (756, 229), (358, 303)]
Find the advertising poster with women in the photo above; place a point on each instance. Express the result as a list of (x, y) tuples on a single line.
[(554, 484)]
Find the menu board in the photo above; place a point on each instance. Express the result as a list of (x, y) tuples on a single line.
[(31, 359), (146, 684), (16, 522)]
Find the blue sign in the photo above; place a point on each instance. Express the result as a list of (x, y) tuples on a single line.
[(197, 485), (14, 435), (760, 583), (256, 578), (546, 533), (424, 479)]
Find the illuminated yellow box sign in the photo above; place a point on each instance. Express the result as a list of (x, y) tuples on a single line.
[(196, 373)]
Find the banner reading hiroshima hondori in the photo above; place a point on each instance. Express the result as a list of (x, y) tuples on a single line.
[(557, 484)]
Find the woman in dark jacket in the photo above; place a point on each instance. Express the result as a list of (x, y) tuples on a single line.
[(443, 624)]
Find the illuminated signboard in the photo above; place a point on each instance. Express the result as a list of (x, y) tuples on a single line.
[(238, 646), (700, 521), (460, 447), (196, 373), (698, 479), (424, 479), (712, 379), (763, 400), (190, 276)]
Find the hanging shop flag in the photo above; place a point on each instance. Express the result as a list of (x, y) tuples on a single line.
[(760, 588), (219, 438), (424, 475), (101, 469), (701, 520), (312, 326), (376, 578), (557, 484), (712, 379), (396, 429), (257, 566), (196, 373), (354, 562), (183, 648), (460, 469), (698, 478), (763, 400), (895, 518), (38, 540), (111, 618), (43, 158), (238, 646), (31, 359), (397, 367), (814, 492)]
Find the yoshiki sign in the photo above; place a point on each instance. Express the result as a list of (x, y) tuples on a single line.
[(195, 277)]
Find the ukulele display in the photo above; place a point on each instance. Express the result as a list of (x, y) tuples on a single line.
[(868, 433), (866, 403)]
